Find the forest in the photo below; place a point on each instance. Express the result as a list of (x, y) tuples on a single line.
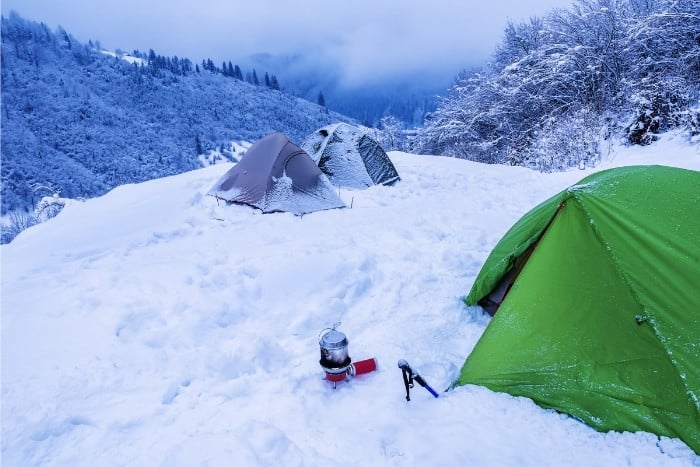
[(557, 88)]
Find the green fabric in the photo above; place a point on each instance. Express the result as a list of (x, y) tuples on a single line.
[(516, 242), (603, 321)]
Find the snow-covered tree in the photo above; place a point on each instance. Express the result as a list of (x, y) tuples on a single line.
[(390, 135), (663, 83), (636, 60)]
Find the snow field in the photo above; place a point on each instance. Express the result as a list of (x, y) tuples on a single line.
[(155, 326)]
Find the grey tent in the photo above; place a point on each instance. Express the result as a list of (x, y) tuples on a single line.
[(276, 175), (350, 157)]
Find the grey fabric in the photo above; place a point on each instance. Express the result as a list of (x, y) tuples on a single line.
[(277, 175)]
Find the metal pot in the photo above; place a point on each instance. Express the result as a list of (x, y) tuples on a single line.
[(334, 351)]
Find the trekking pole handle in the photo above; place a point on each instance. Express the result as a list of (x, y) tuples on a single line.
[(413, 375)]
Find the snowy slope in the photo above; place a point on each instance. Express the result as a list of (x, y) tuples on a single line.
[(153, 326)]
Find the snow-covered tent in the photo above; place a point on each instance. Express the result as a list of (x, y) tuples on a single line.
[(350, 157), (276, 175)]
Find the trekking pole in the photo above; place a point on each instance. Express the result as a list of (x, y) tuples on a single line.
[(409, 375)]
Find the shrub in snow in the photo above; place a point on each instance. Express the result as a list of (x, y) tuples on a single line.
[(659, 107), (570, 141), (49, 207), (644, 126), (390, 134), (14, 223)]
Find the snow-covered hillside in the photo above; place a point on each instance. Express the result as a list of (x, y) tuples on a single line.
[(79, 122), (153, 326)]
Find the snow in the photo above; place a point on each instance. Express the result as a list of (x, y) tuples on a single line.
[(283, 196), (153, 326), (233, 153), (125, 56), (343, 161)]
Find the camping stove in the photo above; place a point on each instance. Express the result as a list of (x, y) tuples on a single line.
[(336, 362)]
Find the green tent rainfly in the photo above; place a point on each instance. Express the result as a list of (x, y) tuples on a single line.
[(597, 292)]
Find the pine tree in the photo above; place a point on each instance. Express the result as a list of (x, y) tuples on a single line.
[(151, 58)]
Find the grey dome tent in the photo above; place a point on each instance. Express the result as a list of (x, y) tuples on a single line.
[(276, 175), (350, 157)]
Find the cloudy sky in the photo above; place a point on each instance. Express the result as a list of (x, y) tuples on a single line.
[(360, 40)]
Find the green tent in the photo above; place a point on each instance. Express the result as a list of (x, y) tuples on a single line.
[(597, 293)]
